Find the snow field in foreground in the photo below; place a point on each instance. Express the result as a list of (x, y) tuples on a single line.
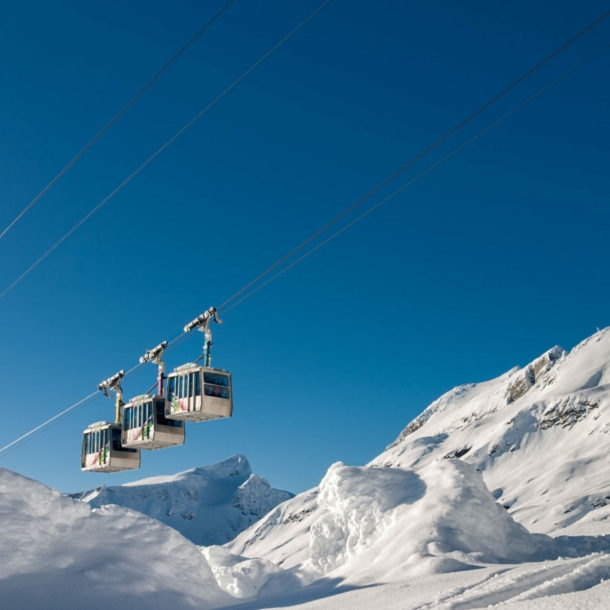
[(56, 552)]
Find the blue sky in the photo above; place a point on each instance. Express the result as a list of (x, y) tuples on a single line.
[(488, 261)]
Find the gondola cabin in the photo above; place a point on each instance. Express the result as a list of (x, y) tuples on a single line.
[(146, 427), (198, 393), (103, 452)]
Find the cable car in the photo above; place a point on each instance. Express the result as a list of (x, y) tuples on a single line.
[(198, 393), (103, 452), (145, 425), (194, 392)]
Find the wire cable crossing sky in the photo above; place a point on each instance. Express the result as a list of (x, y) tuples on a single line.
[(492, 259), (160, 150), (184, 335), (415, 159), (114, 118)]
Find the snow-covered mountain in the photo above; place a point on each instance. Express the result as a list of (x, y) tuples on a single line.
[(540, 435), (497, 495), (209, 505), (455, 490)]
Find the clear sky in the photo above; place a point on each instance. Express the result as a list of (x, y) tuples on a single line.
[(488, 261)]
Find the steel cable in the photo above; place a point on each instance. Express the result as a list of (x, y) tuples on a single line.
[(156, 154), (421, 175), (185, 335), (47, 425), (115, 117), (414, 160)]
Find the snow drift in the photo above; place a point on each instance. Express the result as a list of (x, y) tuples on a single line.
[(57, 552), (209, 505)]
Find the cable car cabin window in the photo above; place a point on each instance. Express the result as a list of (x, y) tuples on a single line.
[(116, 442), (90, 443), (197, 384), (172, 385), (163, 421), (216, 391), (216, 378), (127, 419)]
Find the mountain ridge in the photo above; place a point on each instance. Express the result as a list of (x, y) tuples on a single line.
[(208, 505)]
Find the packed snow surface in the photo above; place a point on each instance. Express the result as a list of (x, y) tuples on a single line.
[(209, 505)]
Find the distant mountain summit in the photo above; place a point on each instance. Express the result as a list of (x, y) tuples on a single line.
[(540, 435), (208, 505)]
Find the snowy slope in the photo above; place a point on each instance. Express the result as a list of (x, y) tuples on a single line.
[(384, 524), (450, 497), (208, 505), (540, 435), (442, 519), (56, 552)]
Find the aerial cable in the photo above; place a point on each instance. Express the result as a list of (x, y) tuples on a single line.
[(176, 342), (30, 436), (156, 154), (47, 425), (116, 116), (130, 373), (413, 160), (404, 186), (80, 402), (185, 335)]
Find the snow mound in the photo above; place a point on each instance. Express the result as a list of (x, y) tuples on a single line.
[(243, 577), (208, 505), (382, 522), (57, 552), (441, 519), (359, 505)]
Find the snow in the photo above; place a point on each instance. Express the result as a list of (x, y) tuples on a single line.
[(243, 577), (387, 523), (453, 495), (497, 495), (544, 455), (208, 505), (56, 552)]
